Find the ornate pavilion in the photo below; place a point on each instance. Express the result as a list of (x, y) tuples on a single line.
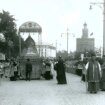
[(43, 50)]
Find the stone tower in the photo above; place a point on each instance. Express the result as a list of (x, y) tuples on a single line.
[(84, 44), (85, 31)]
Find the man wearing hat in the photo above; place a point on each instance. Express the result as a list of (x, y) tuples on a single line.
[(93, 74)]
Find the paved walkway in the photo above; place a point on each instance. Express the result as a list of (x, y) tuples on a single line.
[(43, 92)]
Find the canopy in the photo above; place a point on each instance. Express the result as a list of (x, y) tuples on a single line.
[(30, 27)]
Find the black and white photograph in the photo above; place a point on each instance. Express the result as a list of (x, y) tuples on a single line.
[(52, 52)]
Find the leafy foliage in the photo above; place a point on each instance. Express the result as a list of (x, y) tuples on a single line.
[(8, 28)]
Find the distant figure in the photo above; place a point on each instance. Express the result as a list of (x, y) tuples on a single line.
[(93, 74), (53, 72), (15, 70), (12, 78), (79, 68), (1, 70), (48, 74), (83, 77), (102, 83), (60, 69), (28, 69), (43, 68)]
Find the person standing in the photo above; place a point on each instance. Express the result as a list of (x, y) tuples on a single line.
[(11, 70), (79, 68), (15, 70), (93, 74), (28, 69), (60, 69), (83, 72), (1, 70), (102, 83), (48, 74)]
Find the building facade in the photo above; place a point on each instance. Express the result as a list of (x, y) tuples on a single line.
[(84, 43)]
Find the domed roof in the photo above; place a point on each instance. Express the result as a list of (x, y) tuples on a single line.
[(30, 27)]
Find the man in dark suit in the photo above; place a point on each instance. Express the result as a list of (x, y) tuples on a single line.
[(28, 69)]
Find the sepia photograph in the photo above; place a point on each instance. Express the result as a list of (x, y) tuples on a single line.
[(52, 52)]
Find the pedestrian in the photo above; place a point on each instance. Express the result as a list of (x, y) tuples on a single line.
[(48, 75), (15, 70), (12, 78), (93, 74), (28, 69), (79, 68), (102, 83), (1, 70), (60, 69), (83, 71), (53, 72), (43, 68)]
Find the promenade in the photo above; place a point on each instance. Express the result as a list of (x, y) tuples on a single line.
[(48, 92)]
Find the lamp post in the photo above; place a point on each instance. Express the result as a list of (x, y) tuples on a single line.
[(67, 33), (0, 22), (101, 3), (56, 48), (104, 28), (19, 43)]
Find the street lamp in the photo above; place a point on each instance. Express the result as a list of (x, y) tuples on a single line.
[(67, 33), (56, 48), (0, 20), (67, 39), (19, 43), (101, 3)]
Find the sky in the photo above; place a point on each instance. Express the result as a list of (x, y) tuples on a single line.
[(55, 16)]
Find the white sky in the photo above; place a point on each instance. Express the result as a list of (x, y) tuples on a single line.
[(56, 15)]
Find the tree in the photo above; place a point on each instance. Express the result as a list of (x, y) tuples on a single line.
[(63, 54), (8, 29), (77, 55)]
